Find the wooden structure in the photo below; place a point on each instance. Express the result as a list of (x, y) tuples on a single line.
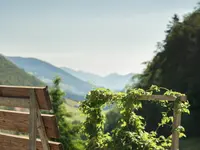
[(176, 116), (33, 122)]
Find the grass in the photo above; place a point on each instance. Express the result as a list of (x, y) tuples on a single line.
[(72, 107)]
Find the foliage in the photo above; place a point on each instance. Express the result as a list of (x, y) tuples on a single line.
[(175, 64), (69, 136), (130, 132)]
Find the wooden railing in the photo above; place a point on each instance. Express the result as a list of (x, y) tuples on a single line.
[(32, 122)]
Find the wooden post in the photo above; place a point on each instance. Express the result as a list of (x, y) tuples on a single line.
[(32, 121), (176, 124)]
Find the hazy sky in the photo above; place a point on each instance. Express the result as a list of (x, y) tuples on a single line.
[(99, 36)]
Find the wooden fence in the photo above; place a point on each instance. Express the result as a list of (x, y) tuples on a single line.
[(33, 122), (176, 116)]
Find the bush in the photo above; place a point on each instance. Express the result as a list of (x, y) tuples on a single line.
[(129, 132)]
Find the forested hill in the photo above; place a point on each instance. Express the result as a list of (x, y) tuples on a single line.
[(10, 74), (176, 64)]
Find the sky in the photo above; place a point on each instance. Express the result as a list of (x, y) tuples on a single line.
[(97, 36)]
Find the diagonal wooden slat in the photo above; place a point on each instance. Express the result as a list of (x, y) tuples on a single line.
[(41, 127)]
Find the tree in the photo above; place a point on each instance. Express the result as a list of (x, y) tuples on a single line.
[(69, 136), (176, 66)]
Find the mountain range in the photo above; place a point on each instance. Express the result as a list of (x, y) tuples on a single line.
[(112, 81), (46, 72), (75, 83)]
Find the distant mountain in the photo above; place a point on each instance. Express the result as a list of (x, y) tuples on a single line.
[(116, 81), (81, 74), (85, 76), (113, 81), (46, 72), (10, 74)]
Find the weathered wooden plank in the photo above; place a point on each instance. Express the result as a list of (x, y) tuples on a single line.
[(13, 142), (14, 102), (23, 92), (159, 97), (18, 121), (32, 120)]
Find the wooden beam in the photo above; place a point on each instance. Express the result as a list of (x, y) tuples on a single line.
[(23, 92), (14, 102), (32, 120), (159, 97), (14, 142), (22, 87)]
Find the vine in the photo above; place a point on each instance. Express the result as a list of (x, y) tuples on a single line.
[(130, 132)]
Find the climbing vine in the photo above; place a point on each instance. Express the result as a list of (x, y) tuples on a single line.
[(130, 132)]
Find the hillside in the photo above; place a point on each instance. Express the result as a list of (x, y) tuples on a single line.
[(10, 74), (113, 81), (46, 72)]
